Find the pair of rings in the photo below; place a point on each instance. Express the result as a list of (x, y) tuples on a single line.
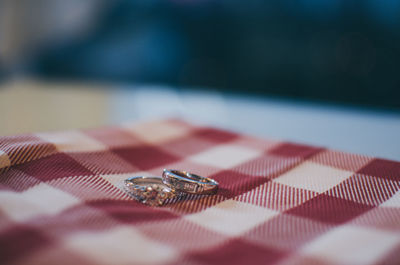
[(155, 191)]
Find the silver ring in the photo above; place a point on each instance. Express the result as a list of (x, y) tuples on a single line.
[(149, 190), (188, 182)]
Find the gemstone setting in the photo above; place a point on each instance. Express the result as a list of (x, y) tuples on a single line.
[(149, 190)]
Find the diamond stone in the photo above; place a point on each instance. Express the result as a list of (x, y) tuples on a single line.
[(150, 191)]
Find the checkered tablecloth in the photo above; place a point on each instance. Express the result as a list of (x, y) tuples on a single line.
[(61, 200)]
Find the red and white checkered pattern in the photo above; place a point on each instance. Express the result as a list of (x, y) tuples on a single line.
[(61, 200)]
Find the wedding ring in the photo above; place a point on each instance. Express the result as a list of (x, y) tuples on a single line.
[(190, 183), (149, 190)]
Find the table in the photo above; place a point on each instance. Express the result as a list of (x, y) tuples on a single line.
[(32, 106)]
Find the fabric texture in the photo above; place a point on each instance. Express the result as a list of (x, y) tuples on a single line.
[(62, 202)]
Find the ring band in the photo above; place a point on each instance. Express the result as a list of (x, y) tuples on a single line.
[(149, 190), (189, 183)]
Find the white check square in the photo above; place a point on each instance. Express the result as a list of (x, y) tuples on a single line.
[(225, 156), (352, 245), (72, 141), (121, 245), (232, 217), (314, 177), (156, 133), (41, 199), (4, 160), (394, 201)]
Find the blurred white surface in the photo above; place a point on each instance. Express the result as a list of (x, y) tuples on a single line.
[(353, 130)]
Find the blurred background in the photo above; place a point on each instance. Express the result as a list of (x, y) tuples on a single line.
[(251, 66)]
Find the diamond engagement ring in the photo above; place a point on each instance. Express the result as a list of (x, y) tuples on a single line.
[(190, 183), (149, 190), (155, 191)]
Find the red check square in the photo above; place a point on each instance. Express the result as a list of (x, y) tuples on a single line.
[(331, 210), (145, 157), (21, 239), (294, 150), (382, 169), (239, 252), (52, 167)]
